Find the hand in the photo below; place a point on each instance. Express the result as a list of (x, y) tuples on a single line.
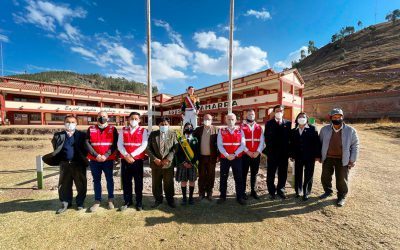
[(256, 154), (291, 159), (129, 159), (351, 165), (187, 165), (157, 162), (318, 160), (231, 157), (183, 115), (250, 154), (165, 162), (103, 158), (98, 158)]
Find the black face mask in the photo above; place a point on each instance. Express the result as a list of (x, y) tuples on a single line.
[(188, 131), (102, 120), (249, 121), (337, 122)]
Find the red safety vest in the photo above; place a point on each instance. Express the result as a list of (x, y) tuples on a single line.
[(132, 141), (231, 142), (252, 137), (102, 141)]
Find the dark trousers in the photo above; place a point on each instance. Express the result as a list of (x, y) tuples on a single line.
[(97, 168), (274, 164), (206, 175), (254, 165), (72, 172), (306, 166), (129, 171), (163, 178), (329, 166), (236, 165)]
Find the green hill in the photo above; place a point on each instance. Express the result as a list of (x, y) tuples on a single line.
[(96, 81)]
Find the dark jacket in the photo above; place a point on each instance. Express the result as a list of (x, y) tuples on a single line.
[(54, 158), (306, 146), (198, 132), (170, 148), (277, 138)]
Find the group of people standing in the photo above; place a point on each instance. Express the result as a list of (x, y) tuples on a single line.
[(194, 153)]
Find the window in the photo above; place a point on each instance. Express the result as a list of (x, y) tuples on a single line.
[(35, 117), (57, 117)]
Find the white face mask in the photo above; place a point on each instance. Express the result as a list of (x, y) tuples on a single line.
[(134, 123), (251, 118), (278, 115), (70, 126), (164, 128), (207, 122), (302, 120)]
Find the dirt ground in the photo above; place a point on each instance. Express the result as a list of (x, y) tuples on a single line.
[(370, 219)]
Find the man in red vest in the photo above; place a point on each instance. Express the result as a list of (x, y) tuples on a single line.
[(101, 143), (253, 133), (231, 144), (132, 143)]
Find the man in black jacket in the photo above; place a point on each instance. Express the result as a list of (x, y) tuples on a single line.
[(70, 154), (277, 136)]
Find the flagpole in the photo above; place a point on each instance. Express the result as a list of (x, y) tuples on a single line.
[(149, 86), (230, 66), (2, 62)]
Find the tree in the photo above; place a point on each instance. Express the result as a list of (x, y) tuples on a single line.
[(393, 16), (359, 24), (311, 47), (302, 54)]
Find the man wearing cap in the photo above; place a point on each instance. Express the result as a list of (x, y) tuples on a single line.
[(190, 107), (339, 152)]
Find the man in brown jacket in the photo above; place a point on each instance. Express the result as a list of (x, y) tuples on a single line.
[(207, 137)]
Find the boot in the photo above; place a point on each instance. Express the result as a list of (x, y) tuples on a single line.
[(184, 199), (191, 191)]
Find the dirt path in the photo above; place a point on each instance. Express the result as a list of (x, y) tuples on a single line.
[(370, 219)]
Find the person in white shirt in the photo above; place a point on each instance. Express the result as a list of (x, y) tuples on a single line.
[(132, 143), (231, 143), (254, 137)]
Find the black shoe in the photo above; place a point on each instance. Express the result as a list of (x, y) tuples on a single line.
[(325, 195), (245, 197), (209, 197), (305, 197), (272, 196), (156, 204), (282, 196), (80, 207), (241, 202), (297, 196), (221, 200), (255, 195), (184, 202), (191, 201), (171, 204), (341, 202)]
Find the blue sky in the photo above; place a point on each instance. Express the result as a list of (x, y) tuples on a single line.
[(189, 36)]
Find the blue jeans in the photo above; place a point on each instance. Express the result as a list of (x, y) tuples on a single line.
[(97, 168)]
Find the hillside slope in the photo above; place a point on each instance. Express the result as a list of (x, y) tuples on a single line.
[(88, 80), (364, 61)]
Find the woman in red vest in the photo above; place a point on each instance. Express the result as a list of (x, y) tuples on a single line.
[(132, 143), (101, 143)]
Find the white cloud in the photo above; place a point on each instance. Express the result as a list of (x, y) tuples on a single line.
[(4, 38), (263, 14), (84, 52), (52, 18), (245, 59), (293, 56), (173, 35), (101, 19)]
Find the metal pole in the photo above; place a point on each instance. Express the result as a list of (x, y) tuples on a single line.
[(230, 56), (39, 171), (149, 86), (2, 62)]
